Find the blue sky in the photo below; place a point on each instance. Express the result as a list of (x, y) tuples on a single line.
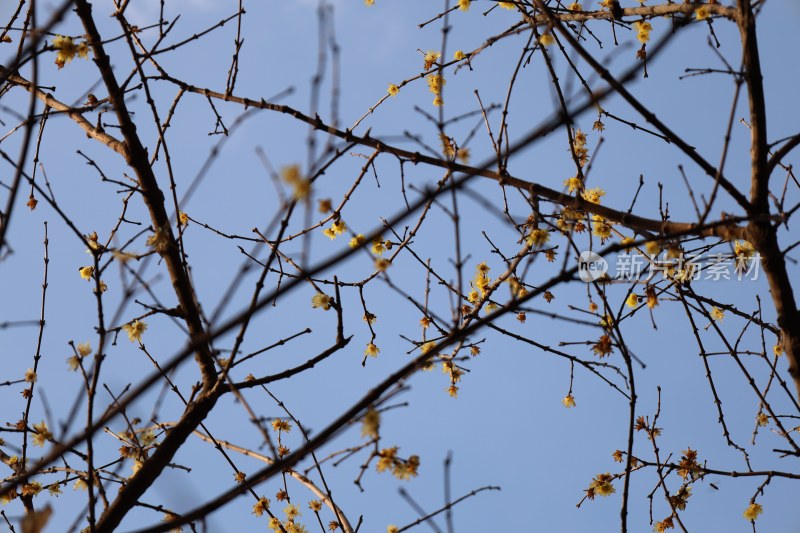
[(508, 427)]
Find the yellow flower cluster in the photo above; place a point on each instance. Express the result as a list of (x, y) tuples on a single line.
[(68, 49), (463, 5), (292, 176), (579, 147), (481, 280), (600, 228), (643, 29), (401, 469), (281, 425), (600, 485), (436, 83), (357, 241), (546, 39), (336, 229), (455, 373)]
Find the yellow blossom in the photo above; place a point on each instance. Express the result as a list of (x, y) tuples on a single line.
[(315, 505), (463, 5), (73, 363), (743, 250), (369, 2), (643, 29), (752, 511), (431, 57), (357, 241), (372, 422), (84, 349), (30, 376), (538, 237), (632, 301), (86, 272), (372, 350), (159, 240), (427, 347), (573, 184), (547, 39), (601, 484), (459, 55), (183, 218), (762, 419), (702, 13), (652, 247), (281, 425), (134, 330), (593, 195), (506, 5), (778, 349), (717, 313), (68, 49), (261, 506), (378, 246), (321, 300), (393, 89), (42, 434), (600, 228), (292, 176), (575, 6), (569, 401), (31, 489), (291, 511), (381, 264), (392, 528)]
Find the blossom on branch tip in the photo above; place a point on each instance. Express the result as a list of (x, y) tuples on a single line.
[(643, 29), (752, 511), (68, 49), (86, 272), (134, 330), (321, 300)]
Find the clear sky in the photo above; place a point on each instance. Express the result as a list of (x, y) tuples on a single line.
[(508, 427)]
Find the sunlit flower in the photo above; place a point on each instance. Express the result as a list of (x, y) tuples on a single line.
[(134, 330), (752, 511), (321, 300)]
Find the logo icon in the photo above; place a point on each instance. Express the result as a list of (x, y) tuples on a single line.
[(591, 266)]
